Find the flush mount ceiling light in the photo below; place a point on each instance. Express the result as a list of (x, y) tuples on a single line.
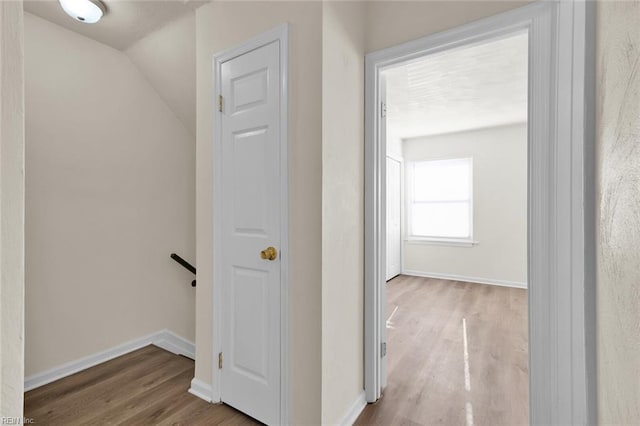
[(87, 11)]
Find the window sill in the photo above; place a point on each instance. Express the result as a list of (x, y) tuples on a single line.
[(442, 242)]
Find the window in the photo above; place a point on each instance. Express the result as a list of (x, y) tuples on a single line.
[(440, 200)]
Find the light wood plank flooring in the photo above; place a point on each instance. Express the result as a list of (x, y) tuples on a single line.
[(426, 357), (145, 387), (426, 367)]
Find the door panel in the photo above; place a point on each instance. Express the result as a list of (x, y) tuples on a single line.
[(250, 189), (250, 343), (251, 194), (394, 209)]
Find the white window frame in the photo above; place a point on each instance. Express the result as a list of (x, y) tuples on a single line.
[(434, 239)]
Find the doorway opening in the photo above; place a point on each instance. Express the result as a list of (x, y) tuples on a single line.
[(456, 235), (560, 172)]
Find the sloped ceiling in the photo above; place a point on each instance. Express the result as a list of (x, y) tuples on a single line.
[(125, 22), (167, 58), (468, 88), (157, 35)]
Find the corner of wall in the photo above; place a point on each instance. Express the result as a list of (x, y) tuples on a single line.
[(166, 58), (123, 201), (343, 29)]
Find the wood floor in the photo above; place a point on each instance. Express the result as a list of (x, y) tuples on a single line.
[(426, 365), (426, 356), (145, 387)]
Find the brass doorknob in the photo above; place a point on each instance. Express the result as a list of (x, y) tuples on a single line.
[(270, 253)]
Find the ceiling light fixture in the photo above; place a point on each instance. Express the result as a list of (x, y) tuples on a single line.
[(86, 11)]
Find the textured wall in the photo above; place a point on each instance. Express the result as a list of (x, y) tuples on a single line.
[(342, 207), (11, 209), (618, 250)]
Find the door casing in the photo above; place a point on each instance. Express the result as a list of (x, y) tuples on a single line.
[(401, 207), (561, 194), (281, 35)]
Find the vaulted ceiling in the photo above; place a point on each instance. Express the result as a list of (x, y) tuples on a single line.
[(157, 35), (471, 87), (125, 22)]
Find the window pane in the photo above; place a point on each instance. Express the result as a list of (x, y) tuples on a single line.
[(449, 220), (442, 180)]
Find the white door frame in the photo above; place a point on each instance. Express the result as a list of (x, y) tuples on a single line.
[(281, 35), (561, 229)]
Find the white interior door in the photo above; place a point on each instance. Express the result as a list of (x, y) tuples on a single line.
[(394, 214), (251, 234)]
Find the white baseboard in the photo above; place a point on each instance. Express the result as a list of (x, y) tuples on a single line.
[(201, 389), (354, 410), (164, 339), (477, 280), (173, 343)]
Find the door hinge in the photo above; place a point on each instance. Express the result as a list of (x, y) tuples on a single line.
[(383, 109), (220, 102), (220, 361), (383, 349)]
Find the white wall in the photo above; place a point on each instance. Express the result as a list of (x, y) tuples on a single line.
[(167, 58), (394, 145), (618, 198), (390, 23), (499, 207), (109, 195), (394, 22), (11, 210), (342, 207), (220, 26)]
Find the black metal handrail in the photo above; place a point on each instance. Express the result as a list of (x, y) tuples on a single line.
[(186, 265)]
